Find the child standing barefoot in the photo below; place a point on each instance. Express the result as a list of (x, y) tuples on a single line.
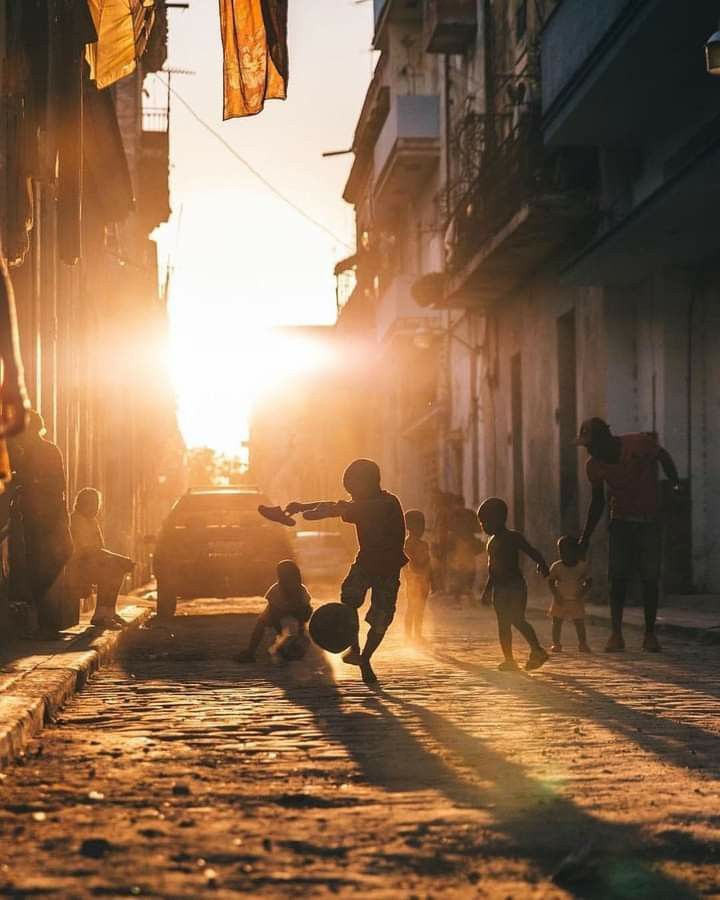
[(416, 576), (506, 587), (569, 583)]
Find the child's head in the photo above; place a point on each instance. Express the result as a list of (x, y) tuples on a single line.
[(361, 479), (569, 550), (87, 502), (493, 514), (288, 575), (415, 522)]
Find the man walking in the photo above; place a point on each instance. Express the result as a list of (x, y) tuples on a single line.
[(628, 465)]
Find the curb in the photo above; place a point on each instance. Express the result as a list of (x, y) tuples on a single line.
[(702, 635), (37, 696)]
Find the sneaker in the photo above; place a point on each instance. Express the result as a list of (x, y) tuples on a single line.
[(366, 670), (584, 648), (509, 666), (351, 658), (650, 643), (536, 659), (276, 514), (615, 644), (556, 648)]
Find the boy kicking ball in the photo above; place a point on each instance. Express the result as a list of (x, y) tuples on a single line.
[(506, 588), (378, 519)]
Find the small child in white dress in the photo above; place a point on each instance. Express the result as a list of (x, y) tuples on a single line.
[(570, 583)]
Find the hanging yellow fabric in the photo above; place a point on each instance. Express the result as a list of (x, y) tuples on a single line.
[(254, 37), (123, 27)]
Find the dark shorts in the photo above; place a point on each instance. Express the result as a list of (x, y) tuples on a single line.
[(635, 550), (510, 599), (383, 597)]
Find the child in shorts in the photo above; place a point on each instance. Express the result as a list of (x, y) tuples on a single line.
[(506, 588), (288, 609), (380, 524), (569, 583), (417, 574)]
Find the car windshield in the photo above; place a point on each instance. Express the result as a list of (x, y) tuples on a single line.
[(217, 508)]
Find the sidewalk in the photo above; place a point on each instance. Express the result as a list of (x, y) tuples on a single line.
[(696, 617), (38, 677)]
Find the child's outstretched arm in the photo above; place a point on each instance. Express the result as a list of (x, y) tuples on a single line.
[(534, 554), (296, 506), (327, 509)]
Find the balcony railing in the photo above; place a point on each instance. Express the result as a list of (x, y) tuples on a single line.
[(450, 26), (519, 174)]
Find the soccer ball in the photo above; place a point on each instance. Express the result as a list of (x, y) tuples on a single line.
[(333, 627)]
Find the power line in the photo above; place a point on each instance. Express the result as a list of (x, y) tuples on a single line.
[(271, 187)]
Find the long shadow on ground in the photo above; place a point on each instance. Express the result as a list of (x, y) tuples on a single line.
[(529, 818)]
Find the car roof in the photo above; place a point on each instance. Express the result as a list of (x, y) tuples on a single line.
[(225, 489), (217, 498)]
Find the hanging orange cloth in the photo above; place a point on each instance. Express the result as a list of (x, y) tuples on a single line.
[(255, 66)]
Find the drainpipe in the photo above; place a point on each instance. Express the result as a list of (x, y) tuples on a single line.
[(474, 412), (690, 411)]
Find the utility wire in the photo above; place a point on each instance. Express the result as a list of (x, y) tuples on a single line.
[(271, 187)]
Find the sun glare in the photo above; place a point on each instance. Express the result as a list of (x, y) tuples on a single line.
[(224, 366)]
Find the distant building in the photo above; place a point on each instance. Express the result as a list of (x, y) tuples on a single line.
[(558, 218), (299, 432)]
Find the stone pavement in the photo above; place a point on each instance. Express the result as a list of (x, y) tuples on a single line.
[(178, 773), (37, 677)]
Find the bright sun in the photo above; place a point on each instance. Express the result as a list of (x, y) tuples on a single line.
[(222, 365)]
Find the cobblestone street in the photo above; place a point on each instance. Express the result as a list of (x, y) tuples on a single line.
[(179, 773)]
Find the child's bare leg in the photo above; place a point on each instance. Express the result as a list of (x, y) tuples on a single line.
[(420, 617), (505, 635), (581, 634), (248, 655), (352, 593), (528, 632), (557, 624), (372, 642)]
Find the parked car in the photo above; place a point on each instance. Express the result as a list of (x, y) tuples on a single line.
[(215, 544), (323, 556)]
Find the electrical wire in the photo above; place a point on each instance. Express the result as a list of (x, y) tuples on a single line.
[(253, 171)]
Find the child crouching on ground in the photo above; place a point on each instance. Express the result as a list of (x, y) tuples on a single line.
[(287, 599), (570, 584), (506, 587), (416, 575)]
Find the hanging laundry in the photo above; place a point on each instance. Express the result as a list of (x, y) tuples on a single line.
[(123, 28), (255, 65)]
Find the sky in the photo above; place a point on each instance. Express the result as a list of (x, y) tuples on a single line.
[(241, 258)]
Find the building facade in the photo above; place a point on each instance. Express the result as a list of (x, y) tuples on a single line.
[(83, 184), (563, 241)]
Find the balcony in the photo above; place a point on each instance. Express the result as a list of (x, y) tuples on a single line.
[(407, 150), (524, 207), (397, 314), (619, 72), (450, 26), (394, 12), (373, 114)]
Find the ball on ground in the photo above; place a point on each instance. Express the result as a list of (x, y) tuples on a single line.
[(333, 627)]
